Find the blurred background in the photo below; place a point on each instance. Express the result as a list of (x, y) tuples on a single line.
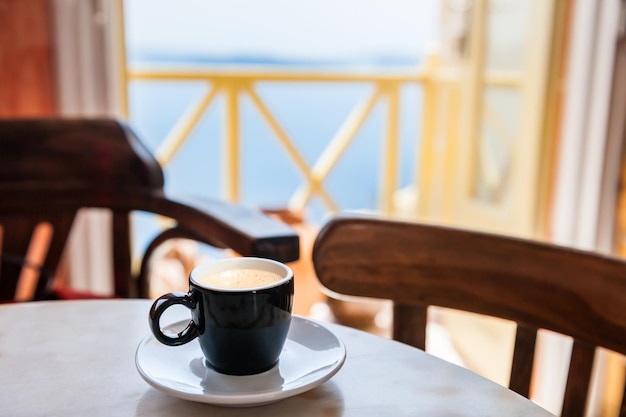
[(501, 115)]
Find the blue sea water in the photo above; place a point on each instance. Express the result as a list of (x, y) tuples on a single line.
[(310, 114)]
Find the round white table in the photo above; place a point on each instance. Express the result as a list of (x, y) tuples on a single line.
[(77, 358)]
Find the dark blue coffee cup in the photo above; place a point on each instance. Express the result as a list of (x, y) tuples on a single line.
[(241, 330)]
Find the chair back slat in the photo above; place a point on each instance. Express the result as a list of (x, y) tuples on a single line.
[(578, 379), (122, 281), (534, 284), (523, 359), (409, 324)]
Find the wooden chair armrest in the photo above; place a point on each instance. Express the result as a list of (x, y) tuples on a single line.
[(246, 230)]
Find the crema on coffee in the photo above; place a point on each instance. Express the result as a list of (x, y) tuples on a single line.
[(240, 278)]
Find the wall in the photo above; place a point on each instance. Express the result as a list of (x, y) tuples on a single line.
[(26, 59)]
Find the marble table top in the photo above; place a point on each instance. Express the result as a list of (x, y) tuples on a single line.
[(77, 358)]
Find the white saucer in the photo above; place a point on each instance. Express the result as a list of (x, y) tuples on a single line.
[(311, 356)]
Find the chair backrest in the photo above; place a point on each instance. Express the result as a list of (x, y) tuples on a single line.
[(536, 285), (51, 168)]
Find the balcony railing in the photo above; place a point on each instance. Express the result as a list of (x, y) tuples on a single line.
[(437, 133)]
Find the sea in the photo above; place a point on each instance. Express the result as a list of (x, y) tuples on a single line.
[(310, 114)]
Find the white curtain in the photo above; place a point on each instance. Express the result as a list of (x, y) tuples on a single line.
[(88, 61)]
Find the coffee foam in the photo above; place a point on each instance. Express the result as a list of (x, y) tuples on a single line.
[(240, 278)]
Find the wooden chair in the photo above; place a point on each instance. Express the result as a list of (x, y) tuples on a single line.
[(536, 285), (51, 168)]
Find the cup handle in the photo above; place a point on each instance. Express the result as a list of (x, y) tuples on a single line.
[(158, 308)]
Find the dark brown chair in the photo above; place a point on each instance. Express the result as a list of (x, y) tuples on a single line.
[(51, 168), (536, 285)]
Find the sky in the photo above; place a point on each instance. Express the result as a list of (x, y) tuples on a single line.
[(300, 29)]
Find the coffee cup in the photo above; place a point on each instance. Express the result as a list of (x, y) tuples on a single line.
[(240, 313)]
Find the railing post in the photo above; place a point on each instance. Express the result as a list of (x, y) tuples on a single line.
[(231, 142), (426, 146), (390, 152), (451, 132)]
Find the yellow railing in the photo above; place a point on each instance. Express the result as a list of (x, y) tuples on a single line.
[(234, 83)]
